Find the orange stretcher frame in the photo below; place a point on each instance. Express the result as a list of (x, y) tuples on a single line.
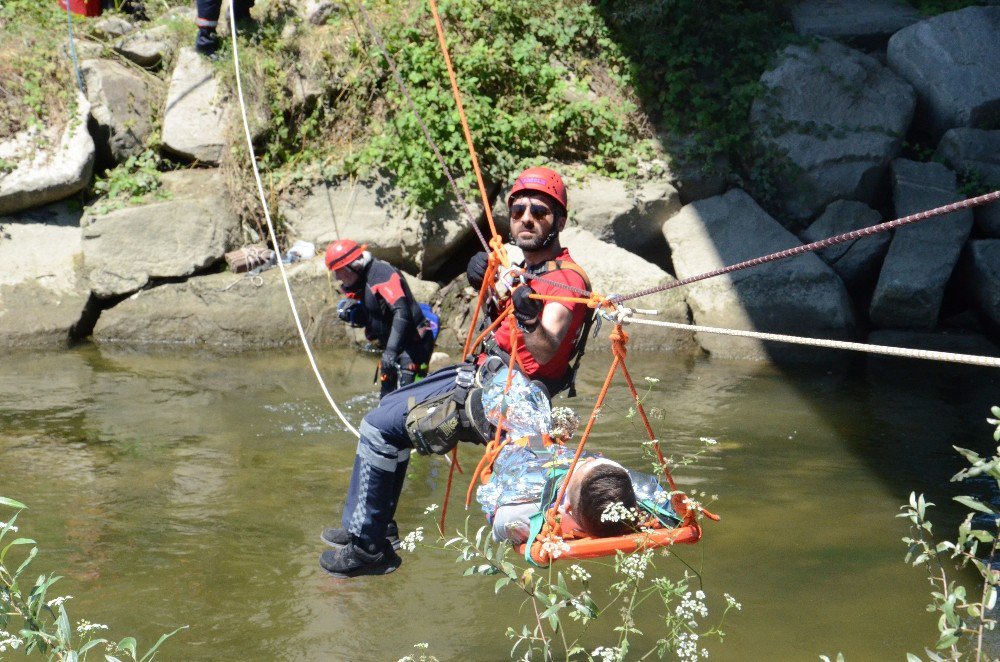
[(586, 547)]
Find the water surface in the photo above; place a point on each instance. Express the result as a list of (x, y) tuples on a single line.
[(189, 487)]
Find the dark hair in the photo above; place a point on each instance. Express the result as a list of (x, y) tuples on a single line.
[(604, 485)]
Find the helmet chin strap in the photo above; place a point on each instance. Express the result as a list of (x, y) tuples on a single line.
[(550, 237)]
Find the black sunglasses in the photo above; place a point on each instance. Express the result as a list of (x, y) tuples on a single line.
[(538, 212)]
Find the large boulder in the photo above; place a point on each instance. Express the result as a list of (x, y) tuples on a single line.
[(196, 120), (49, 164), (857, 261), (223, 309), (975, 151), (630, 217), (614, 270), (121, 105), (982, 273), (838, 116), (953, 61), (922, 256), (798, 296), (147, 48), (865, 24), (373, 212), (187, 232), (42, 295)]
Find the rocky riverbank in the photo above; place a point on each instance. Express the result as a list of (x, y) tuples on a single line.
[(835, 113)]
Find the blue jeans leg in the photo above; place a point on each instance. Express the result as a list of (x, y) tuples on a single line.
[(381, 461)]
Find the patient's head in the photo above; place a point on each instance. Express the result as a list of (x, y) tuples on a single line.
[(595, 485)]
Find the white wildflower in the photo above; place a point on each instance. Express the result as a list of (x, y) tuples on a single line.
[(12, 527), (578, 573), (87, 626), (555, 547), (652, 380), (55, 602), (8, 640), (691, 607), (430, 509), (708, 441), (409, 543), (606, 654), (634, 565), (617, 512), (732, 602)]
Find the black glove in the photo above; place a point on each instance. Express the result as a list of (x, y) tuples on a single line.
[(388, 372), (351, 311), (476, 271), (526, 310)]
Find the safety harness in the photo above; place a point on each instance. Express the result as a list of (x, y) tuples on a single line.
[(568, 380)]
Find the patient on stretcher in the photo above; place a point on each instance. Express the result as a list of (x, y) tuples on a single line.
[(602, 496)]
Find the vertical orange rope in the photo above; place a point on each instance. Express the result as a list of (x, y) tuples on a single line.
[(649, 428), (461, 114), (618, 340)]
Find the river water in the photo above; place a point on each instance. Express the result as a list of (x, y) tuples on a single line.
[(189, 488)]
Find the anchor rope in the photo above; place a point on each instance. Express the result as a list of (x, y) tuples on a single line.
[(887, 350), (271, 232)]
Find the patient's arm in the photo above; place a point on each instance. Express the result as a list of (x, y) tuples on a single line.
[(511, 522)]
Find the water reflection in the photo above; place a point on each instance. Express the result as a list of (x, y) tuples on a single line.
[(190, 488)]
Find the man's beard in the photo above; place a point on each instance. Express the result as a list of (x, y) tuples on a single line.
[(536, 243)]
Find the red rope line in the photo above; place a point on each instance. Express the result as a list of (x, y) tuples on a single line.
[(818, 245)]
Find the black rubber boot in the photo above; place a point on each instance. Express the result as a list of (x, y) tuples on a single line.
[(352, 561), (207, 42), (338, 537)]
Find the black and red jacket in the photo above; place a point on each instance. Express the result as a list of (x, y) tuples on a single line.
[(395, 319)]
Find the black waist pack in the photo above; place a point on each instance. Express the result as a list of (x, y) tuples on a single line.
[(435, 426)]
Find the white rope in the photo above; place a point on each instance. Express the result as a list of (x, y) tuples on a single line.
[(270, 227), (932, 355)]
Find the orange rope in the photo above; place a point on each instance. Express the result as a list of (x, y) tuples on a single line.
[(447, 490), (649, 428), (618, 340), (461, 114)]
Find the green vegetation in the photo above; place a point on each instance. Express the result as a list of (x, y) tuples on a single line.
[(129, 182), (30, 618), (965, 614), (37, 83)]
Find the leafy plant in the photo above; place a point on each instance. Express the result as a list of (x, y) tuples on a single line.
[(964, 616), (131, 181), (41, 625)]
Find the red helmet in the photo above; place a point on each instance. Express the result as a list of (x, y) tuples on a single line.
[(542, 180), (342, 252)]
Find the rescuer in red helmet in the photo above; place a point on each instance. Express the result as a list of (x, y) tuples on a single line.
[(380, 300), (436, 413)]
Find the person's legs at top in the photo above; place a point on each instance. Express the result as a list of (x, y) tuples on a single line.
[(207, 41), (377, 479)]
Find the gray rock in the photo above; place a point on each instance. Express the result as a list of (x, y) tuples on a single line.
[(319, 12), (865, 24), (42, 293), (922, 256), (799, 296), (856, 262), (147, 48), (694, 179), (614, 270), (627, 218), (372, 212), (126, 248), (50, 165), (223, 309), (112, 27), (987, 219), (840, 118), (982, 270), (975, 151), (196, 120), (953, 61), (122, 104)]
